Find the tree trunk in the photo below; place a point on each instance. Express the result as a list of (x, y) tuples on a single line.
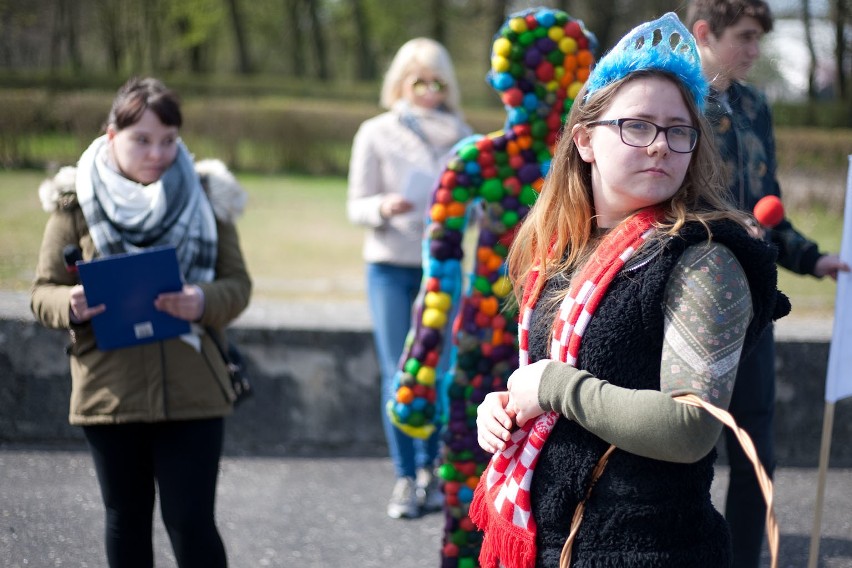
[(56, 35), (365, 62), (439, 23), (841, 16), (319, 41), (809, 42), (63, 37), (111, 25), (563, 5), (195, 52), (72, 36), (245, 65), (295, 45), (151, 17), (601, 23)]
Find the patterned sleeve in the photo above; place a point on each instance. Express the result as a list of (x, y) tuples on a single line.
[(707, 310)]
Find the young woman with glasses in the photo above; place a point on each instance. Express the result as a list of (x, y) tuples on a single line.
[(637, 283)]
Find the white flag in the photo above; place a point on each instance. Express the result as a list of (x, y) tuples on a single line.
[(838, 382)]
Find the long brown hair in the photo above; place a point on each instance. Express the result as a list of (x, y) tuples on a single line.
[(557, 233)]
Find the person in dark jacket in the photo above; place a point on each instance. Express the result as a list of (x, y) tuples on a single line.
[(152, 414), (728, 34), (637, 284)]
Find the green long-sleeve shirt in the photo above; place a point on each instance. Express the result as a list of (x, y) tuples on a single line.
[(707, 311)]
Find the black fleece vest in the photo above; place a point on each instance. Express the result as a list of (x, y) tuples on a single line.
[(642, 513)]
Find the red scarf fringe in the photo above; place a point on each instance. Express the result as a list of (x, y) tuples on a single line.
[(503, 542)]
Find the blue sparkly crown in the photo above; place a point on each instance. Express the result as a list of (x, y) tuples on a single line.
[(664, 44)]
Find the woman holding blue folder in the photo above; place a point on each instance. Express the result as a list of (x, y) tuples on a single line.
[(152, 413)]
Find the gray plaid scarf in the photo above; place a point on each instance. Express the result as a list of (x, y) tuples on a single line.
[(178, 212)]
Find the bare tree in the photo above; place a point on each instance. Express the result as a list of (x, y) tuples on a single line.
[(296, 42), (809, 42), (563, 5), (109, 20), (439, 22), (65, 32), (245, 64), (152, 20), (319, 41), (841, 48), (365, 62)]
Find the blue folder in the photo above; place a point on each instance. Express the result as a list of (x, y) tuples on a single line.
[(128, 284)]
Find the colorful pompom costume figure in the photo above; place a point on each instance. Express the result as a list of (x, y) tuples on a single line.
[(540, 60)]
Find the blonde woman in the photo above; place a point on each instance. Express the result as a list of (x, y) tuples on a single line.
[(396, 159)]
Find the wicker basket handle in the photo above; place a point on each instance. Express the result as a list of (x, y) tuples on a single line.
[(748, 447)]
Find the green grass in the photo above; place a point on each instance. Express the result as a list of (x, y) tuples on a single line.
[(298, 243), (297, 240), (295, 235), (809, 296)]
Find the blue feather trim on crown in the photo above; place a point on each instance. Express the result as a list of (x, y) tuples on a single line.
[(663, 44)]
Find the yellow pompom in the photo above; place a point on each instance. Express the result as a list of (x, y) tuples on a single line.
[(573, 89), (502, 287), (426, 376), (518, 25), (556, 33), (568, 45), (434, 318), (500, 64), (502, 47), (438, 300)]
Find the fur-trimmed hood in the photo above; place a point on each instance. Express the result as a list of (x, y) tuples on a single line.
[(226, 195)]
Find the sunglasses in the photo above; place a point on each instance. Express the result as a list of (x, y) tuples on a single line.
[(423, 86)]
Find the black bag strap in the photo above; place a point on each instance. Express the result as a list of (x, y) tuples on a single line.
[(222, 351)]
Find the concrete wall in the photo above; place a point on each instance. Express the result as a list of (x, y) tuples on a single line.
[(317, 392)]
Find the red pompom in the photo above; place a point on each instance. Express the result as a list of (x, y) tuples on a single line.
[(769, 211)]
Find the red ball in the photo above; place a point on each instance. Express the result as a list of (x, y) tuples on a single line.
[(431, 359), (512, 185), (443, 196), (485, 159), (450, 550), (769, 211), (572, 29), (513, 97), (544, 72), (448, 180), (485, 144)]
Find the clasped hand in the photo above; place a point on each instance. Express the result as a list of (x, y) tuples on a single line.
[(500, 412), (187, 304)]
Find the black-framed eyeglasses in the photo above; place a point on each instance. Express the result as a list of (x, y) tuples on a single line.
[(423, 86), (639, 133)]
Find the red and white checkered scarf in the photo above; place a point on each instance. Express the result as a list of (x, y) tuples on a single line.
[(502, 507)]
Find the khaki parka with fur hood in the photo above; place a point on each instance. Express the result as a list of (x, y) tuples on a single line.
[(164, 380)]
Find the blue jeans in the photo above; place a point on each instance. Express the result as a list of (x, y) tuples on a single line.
[(753, 407), (391, 291)]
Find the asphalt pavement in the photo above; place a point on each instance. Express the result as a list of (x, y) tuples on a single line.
[(317, 513)]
